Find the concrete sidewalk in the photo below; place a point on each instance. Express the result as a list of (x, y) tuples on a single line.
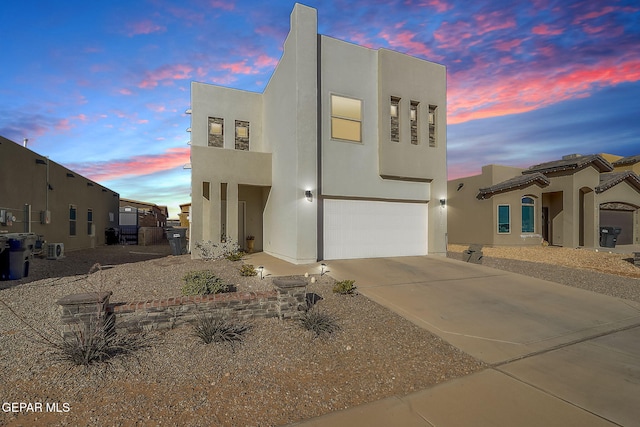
[(558, 356)]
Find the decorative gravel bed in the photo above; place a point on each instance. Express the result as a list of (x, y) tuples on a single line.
[(279, 374), (579, 268)]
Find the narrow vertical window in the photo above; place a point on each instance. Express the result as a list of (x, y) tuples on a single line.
[(73, 217), (346, 118), (413, 116), (504, 219), (432, 125), (395, 121), (242, 135), (528, 205), (216, 132), (90, 230), (205, 189)]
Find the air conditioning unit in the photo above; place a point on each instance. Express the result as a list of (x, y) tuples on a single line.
[(55, 250)]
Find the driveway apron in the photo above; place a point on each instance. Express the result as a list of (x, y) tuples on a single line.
[(569, 355)]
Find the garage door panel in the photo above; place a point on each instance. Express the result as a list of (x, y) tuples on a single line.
[(370, 229)]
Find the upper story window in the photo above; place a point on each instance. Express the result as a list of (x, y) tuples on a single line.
[(216, 132), (432, 125), (413, 116), (528, 209), (395, 121), (242, 135), (346, 118)]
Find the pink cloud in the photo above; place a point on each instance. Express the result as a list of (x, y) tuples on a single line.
[(239, 67), (264, 61), (157, 108), (405, 40), (165, 73), (222, 4), (508, 45), (125, 91), (440, 6), (545, 30), (527, 91), (134, 166), (144, 27), (594, 14)]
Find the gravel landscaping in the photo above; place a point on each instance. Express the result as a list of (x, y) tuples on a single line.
[(280, 373)]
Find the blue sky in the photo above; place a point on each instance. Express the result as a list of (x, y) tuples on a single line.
[(101, 87)]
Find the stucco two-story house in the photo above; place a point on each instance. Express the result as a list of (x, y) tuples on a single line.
[(563, 202), (343, 155)]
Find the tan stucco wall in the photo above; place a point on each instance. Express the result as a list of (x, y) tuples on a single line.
[(23, 181)]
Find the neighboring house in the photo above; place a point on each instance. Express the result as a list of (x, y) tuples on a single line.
[(149, 214), (50, 200), (342, 156), (564, 203)]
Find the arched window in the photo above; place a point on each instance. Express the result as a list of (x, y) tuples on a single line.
[(528, 214)]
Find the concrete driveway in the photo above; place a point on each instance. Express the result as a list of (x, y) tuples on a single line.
[(558, 355)]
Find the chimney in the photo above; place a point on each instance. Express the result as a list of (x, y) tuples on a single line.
[(25, 142)]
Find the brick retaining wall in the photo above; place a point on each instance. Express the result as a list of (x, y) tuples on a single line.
[(287, 301)]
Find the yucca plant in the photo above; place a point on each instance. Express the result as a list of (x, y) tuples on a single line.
[(214, 329), (319, 322)]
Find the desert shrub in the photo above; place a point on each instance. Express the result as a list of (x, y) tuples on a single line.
[(248, 270), (344, 287), (203, 283), (95, 342), (235, 256), (213, 329), (319, 322)]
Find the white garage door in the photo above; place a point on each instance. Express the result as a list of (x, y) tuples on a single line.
[(371, 229)]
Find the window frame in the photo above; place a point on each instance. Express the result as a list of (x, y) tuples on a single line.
[(508, 223), (90, 230), (532, 207), (73, 220), (414, 113), (394, 119), (433, 125), (215, 139), (345, 119)]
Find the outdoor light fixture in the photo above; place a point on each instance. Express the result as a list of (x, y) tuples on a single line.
[(261, 269), (443, 203), (308, 194), (322, 267)]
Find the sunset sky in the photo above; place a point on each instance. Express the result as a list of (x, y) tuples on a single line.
[(102, 87)]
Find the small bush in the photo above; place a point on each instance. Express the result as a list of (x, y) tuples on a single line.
[(248, 270), (318, 322), (95, 342), (212, 329), (344, 287), (203, 283), (235, 256)]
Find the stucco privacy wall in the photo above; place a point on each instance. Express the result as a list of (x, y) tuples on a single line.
[(290, 110), (23, 181)]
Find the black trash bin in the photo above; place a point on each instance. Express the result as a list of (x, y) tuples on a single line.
[(19, 253), (608, 236), (111, 236), (177, 240)]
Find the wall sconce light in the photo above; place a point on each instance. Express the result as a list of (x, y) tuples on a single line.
[(261, 269), (443, 203), (323, 266), (308, 194)]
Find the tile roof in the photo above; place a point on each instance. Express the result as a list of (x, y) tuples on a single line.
[(629, 160), (608, 180), (573, 163), (519, 181)]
